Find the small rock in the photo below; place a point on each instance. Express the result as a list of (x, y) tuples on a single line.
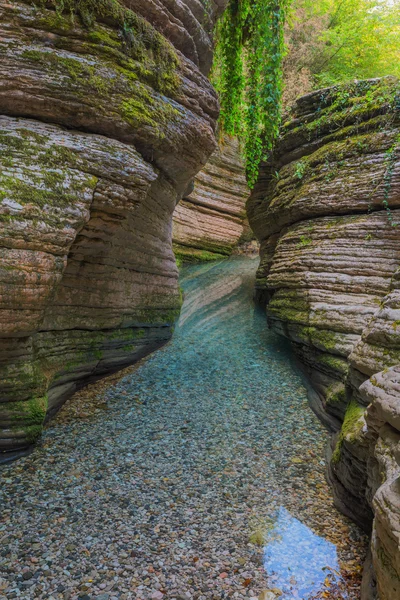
[(267, 595)]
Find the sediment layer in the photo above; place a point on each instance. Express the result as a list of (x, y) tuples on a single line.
[(211, 220), (326, 210), (105, 118)]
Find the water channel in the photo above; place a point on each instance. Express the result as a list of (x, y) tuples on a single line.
[(197, 474)]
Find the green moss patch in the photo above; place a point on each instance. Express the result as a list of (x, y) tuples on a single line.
[(28, 416), (145, 109), (334, 363), (290, 308), (351, 104), (325, 339), (55, 183), (120, 32), (336, 394), (129, 85), (352, 425), (185, 254)]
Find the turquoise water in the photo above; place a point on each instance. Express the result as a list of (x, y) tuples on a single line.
[(203, 477)]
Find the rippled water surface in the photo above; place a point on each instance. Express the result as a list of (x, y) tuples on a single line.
[(199, 474)]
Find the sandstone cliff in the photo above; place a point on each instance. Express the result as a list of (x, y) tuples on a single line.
[(106, 115), (326, 210), (210, 221)]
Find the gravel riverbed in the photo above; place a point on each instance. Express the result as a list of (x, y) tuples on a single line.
[(198, 474)]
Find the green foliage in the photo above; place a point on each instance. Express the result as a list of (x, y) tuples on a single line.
[(248, 74), (390, 163), (229, 76), (304, 241), (336, 41), (300, 169), (352, 425)]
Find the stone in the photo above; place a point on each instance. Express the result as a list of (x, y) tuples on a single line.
[(267, 595), (98, 143), (325, 210), (210, 221)]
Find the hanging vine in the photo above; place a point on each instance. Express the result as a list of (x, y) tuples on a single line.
[(248, 75)]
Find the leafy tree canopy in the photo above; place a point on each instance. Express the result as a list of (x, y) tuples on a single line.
[(335, 41)]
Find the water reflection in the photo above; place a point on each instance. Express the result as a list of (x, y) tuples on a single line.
[(297, 560)]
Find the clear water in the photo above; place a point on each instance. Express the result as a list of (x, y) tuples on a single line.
[(296, 559), (205, 473)]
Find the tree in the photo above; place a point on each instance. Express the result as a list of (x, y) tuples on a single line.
[(335, 41)]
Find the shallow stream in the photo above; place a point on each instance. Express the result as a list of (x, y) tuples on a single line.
[(198, 474)]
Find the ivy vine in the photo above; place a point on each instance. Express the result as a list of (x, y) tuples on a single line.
[(248, 75), (390, 163)]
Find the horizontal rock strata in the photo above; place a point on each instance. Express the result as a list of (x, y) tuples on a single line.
[(326, 210), (104, 120), (210, 221)]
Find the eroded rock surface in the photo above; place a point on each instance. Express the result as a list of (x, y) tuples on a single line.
[(326, 210), (210, 221), (104, 120)]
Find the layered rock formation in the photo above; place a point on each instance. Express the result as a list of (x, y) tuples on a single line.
[(210, 221), (327, 213), (105, 117)]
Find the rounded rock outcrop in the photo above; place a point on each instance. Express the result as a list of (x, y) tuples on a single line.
[(326, 210), (106, 115)]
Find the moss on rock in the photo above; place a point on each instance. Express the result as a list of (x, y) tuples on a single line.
[(352, 425), (119, 33), (194, 255), (335, 394)]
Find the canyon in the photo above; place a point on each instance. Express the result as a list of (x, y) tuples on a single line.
[(111, 170)]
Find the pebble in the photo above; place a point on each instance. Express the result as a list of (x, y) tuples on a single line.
[(206, 454)]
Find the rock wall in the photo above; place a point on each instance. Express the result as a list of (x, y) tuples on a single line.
[(210, 221), (105, 117), (326, 210)]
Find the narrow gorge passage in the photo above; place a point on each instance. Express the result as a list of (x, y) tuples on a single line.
[(175, 476)]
